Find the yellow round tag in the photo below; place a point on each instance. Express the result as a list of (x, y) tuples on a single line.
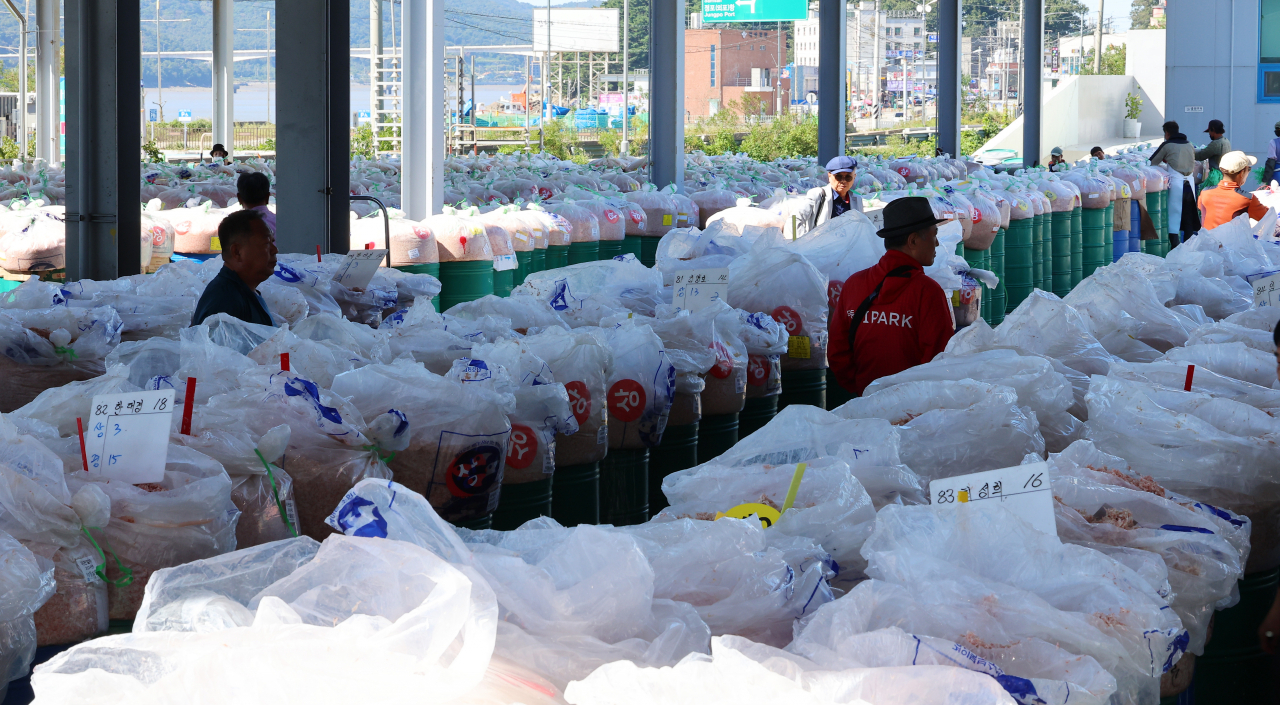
[(768, 515)]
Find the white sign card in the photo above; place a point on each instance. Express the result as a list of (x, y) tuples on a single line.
[(358, 268), (1266, 288), (694, 289), (1023, 490), (128, 435)]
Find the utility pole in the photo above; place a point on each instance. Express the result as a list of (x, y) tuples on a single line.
[(876, 57), (159, 72), (626, 88), (1097, 43), (270, 35)]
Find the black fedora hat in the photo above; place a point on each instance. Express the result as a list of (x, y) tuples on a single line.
[(907, 215)]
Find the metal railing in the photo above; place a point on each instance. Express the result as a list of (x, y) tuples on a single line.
[(248, 136)]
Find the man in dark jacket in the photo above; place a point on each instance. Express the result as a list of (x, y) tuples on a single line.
[(248, 258), (892, 316), (1180, 155)]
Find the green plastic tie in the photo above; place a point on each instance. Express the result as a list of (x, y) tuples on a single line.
[(70, 352), (101, 569), (275, 492)]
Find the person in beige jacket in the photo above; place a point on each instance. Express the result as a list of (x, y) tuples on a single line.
[(1176, 151)]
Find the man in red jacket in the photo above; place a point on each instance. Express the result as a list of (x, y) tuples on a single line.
[(892, 316)]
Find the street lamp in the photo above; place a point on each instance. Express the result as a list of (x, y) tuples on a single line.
[(924, 9)]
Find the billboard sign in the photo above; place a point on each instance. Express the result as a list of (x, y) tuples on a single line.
[(577, 29), (755, 11)]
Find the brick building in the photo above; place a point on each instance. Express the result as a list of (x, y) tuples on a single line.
[(725, 65)]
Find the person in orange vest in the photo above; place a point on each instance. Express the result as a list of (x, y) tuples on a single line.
[(1222, 203), (892, 316)]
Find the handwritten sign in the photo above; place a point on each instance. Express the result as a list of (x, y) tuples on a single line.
[(357, 270), (695, 289), (128, 438), (1266, 288), (1023, 490)]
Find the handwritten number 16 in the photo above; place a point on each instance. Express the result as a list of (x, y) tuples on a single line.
[(1034, 481)]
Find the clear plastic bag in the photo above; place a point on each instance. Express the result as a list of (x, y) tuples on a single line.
[(583, 364), (951, 428), (641, 387), (775, 280), (26, 583)]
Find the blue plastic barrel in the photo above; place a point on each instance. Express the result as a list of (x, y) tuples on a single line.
[(1120, 245)]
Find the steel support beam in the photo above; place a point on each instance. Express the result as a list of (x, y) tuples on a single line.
[(949, 90), (831, 79), (1033, 63), (224, 29), (422, 151), (313, 140), (49, 38), (375, 54), (666, 93), (104, 146)]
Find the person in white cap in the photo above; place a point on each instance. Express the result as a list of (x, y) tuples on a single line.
[(1222, 203), (836, 198)]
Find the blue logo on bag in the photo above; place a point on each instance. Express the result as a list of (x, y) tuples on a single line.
[(355, 520)]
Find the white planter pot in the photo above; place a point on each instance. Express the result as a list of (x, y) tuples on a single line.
[(1132, 128)]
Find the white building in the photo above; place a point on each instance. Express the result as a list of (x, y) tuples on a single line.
[(1072, 48), (1223, 63), (889, 39)]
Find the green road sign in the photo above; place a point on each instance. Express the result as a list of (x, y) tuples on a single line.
[(755, 11)]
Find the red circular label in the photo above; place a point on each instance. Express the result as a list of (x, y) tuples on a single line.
[(833, 294), (626, 400), (157, 236), (724, 361), (579, 400), (611, 215), (544, 192), (904, 171), (977, 216), (474, 471), (788, 317), (757, 370), (523, 448), (637, 217)]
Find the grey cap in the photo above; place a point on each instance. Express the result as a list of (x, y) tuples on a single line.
[(1056, 151)]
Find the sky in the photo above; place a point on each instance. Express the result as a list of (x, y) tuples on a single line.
[(1116, 10)]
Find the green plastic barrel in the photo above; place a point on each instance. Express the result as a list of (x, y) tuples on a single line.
[(1077, 245), (716, 435), (577, 494), (649, 250), (611, 248), (1164, 215), (1094, 240), (538, 263), (483, 523), (524, 267), (433, 269), (1038, 228), (504, 282), (1019, 261), (1155, 209), (1234, 668), (632, 245), (520, 503), (1060, 244), (557, 256), (580, 252), (996, 253), (803, 387), (836, 395), (461, 282), (974, 257), (757, 412), (959, 249), (624, 487), (677, 451), (1108, 231)]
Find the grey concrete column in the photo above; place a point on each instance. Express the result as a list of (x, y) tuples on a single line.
[(48, 40), (422, 116), (313, 137), (1033, 64), (224, 29), (103, 139), (949, 89), (831, 75), (666, 93), (375, 62)]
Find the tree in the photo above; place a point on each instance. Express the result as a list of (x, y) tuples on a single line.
[(1113, 60), (1140, 13), (1060, 16)]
